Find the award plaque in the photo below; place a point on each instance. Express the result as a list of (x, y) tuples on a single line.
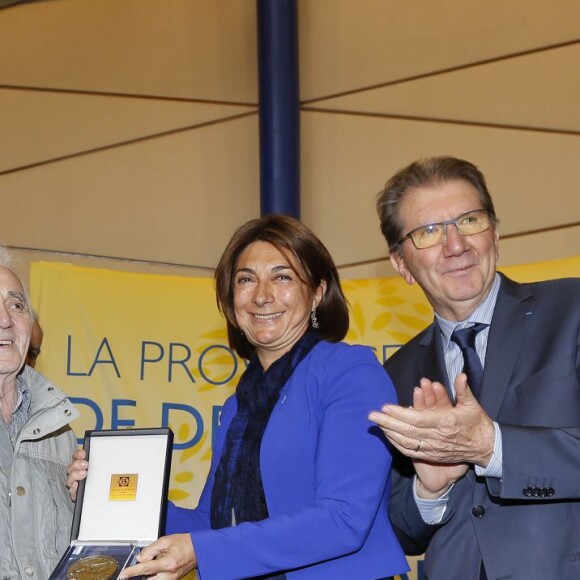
[(121, 505)]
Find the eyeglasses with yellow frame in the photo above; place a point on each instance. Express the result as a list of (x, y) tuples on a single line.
[(467, 224)]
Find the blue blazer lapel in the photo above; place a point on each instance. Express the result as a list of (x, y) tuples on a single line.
[(514, 307)]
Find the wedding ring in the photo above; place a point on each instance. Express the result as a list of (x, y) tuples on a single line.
[(418, 445)]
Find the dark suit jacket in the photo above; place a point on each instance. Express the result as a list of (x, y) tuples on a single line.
[(526, 525)]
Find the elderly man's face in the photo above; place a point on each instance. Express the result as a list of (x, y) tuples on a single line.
[(456, 275), (15, 324)]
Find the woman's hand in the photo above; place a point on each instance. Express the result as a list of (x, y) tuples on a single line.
[(173, 556), (76, 471)]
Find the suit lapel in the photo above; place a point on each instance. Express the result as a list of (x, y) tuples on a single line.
[(513, 309), (431, 362)]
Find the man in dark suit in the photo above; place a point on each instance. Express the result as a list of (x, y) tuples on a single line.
[(488, 486)]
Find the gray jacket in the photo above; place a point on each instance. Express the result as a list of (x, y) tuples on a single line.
[(38, 502)]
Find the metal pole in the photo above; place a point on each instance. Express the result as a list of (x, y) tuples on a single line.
[(279, 107)]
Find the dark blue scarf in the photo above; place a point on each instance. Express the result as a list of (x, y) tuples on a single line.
[(238, 493)]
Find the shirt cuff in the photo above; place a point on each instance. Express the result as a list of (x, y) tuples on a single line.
[(431, 510), (494, 467)]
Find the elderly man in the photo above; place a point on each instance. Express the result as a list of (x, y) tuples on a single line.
[(36, 445), (488, 431)]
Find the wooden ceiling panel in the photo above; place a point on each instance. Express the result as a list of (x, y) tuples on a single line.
[(174, 200), (539, 90), (172, 48), (346, 160), (107, 106), (70, 124), (347, 45)]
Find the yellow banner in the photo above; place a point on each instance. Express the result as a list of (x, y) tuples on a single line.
[(138, 350), (143, 350)]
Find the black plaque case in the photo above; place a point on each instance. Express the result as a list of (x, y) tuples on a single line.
[(121, 505)]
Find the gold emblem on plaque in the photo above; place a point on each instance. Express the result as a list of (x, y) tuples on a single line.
[(123, 487), (92, 568)]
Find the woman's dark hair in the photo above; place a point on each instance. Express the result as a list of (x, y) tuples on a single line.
[(431, 171), (293, 239)]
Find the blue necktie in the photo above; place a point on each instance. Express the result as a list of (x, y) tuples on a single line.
[(472, 367)]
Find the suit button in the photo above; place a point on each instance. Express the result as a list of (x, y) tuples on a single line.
[(478, 511), (550, 491), (536, 491), (527, 491)]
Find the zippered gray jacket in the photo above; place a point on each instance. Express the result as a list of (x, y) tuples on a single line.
[(36, 509)]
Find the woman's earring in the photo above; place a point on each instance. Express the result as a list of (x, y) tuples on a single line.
[(313, 318)]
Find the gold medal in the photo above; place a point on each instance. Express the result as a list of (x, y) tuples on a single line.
[(92, 568)]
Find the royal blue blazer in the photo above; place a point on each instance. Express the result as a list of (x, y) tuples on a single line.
[(326, 475)]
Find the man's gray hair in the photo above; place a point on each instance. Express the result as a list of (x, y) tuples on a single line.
[(7, 262), (5, 257)]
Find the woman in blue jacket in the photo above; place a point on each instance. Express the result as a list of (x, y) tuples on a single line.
[(299, 481)]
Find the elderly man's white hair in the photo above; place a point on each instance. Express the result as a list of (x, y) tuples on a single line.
[(7, 261), (5, 257)]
